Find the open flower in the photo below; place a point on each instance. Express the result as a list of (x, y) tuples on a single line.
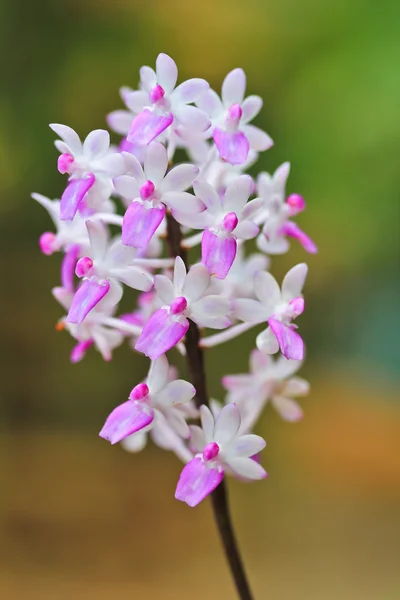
[(225, 220), (232, 134), (103, 270), (159, 104), (268, 380), (185, 298), (220, 450), (149, 190), (276, 214), (156, 395), (277, 307), (91, 166)]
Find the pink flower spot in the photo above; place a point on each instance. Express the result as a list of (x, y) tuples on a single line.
[(156, 94), (178, 305), (297, 306), (139, 392), (296, 203), (46, 242), (210, 451), (83, 266), (235, 113), (230, 222), (147, 190), (64, 163)]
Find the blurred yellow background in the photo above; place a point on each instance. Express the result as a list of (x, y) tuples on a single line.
[(81, 519)]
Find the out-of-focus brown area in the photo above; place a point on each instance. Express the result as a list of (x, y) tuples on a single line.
[(81, 519)]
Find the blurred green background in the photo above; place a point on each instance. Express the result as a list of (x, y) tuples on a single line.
[(80, 519)]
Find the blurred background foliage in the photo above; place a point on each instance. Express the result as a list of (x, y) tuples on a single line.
[(328, 516)]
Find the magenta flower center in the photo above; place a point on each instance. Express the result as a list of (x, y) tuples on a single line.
[(64, 163), (46, 242), (147, 190), (156, 94), (210, 451), (297, 306), (230, 222), (83, 266), (296, 203), (235, 113), (139, 392), (178, 305)]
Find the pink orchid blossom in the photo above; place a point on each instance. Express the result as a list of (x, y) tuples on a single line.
[(220, 450)]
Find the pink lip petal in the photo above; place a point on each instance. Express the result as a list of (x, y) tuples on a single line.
[(68, 267), (218, 254), (140, 224), (126, 419), (160, 334), (79, 351), (147, 126), (73, 195), (290, 342), (86, 298), (293, 230), (196, 482), (232, 147)]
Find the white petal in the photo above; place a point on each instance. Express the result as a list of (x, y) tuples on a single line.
[(248, 310), (133, 166), (165, 437), (156, 162), (135, 442), (211, 307), (98, 239), (208, 195), (167, 72), (136, 101), (288, 409), (70, 137), (258, 139), (134, 277), (234, 87), (175, 393), (293, 282), (164, 288), (148, 78), (252, 208), (259, 362), (197, 438), (251, 107), (96, 144), (119, 121), (106, 340), (267, 342), (207, 423), (266, 289), (189, 91), (180, 178), (185, 204), (176, 420), (158, 374), (227, 424), (179, 275), (210, 103), (247, 468), (246, 230), (192, 117), (237, 194), (296, 386), (196, 282), (247, 445), (285, 368)]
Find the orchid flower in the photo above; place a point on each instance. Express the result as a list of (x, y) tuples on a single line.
[(149, 190), (159, 104), (268, 379), (156, 395), (91, 166), (220, 450), (225, 220), (277, 307), (184, 298), (232, 134)]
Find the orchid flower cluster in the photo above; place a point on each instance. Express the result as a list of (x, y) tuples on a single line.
[(218, 208)]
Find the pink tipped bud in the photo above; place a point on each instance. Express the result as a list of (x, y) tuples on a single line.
[(296, 203), (147, 190), (156, 94), (139, 392), (47, 242), (83, 266), (235, 113), (64, 163), (230, 222), (297, 306), (178, 305), (210, 451)]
